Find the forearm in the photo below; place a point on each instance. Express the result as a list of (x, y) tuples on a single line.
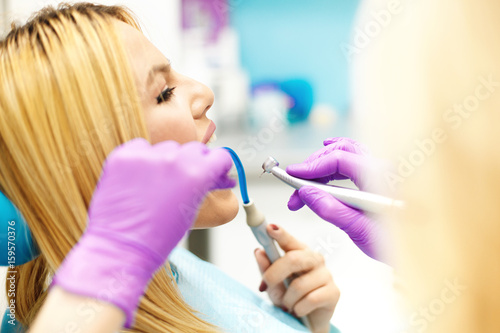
[(326, 329), (67, 312)]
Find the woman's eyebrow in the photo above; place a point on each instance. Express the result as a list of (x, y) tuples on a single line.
[(161, 68)]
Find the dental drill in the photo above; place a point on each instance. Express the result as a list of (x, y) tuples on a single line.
[(365, 201)]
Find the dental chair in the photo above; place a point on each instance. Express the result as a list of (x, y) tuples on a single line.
[(16, 248)]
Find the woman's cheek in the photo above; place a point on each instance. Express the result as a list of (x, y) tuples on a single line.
[(165, 124)]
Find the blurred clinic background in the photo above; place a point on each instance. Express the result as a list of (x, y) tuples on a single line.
[(280, 73)]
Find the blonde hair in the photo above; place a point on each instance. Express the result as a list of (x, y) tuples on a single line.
[(434, 94), (67, 99)]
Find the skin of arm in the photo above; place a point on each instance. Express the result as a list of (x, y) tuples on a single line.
[(77, 313)]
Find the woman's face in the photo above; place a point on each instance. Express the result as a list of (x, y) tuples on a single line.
[(176, 108)]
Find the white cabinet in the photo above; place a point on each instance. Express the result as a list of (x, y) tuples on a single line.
[(3, 17)]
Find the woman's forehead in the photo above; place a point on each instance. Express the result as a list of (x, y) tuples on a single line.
[(141, 52)]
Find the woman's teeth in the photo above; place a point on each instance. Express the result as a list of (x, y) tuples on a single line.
[(212, 139)]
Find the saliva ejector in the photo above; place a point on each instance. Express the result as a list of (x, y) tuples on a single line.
[(257, 221)]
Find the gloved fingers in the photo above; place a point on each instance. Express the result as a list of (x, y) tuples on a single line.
[(357, 226), (336, 163), (295, 202), (219, 163), (197, 160), (347, 144), (191, 152), (344, 144), (167, 150), (138, 149), (132, 152), (220, 159), (332, 146), (365, 234), (136, 144), (330, 141), (326, 180), (223, 182), (327, 207), (126, 150), (166, 146)]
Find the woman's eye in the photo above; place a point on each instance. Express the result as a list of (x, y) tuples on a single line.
[(165, 95)]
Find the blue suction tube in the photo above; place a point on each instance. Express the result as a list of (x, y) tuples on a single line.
[(242, 179)]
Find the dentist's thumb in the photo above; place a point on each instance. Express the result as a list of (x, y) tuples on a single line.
[(360, 228)]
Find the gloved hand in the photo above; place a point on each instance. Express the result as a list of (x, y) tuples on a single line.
[(341, 158), (148, 196)]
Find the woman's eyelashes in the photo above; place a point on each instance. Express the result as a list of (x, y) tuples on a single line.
[(165, 95)]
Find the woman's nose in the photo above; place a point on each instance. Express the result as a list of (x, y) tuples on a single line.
[(202, 99)]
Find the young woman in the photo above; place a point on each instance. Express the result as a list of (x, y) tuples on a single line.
[(77, 82)]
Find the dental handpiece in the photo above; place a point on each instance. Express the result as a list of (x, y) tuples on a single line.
[(365, 201)]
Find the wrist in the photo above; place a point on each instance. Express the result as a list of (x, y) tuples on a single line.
[(322, 329), (107, 269)]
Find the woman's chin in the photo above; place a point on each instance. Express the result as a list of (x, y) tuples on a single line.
[(218, 208)]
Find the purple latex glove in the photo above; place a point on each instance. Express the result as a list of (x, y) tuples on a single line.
[(148, 196), (341, 158)]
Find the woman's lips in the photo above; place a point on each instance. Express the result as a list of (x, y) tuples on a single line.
[(209, 133)]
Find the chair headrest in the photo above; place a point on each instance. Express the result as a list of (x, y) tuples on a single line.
[(17, 247)]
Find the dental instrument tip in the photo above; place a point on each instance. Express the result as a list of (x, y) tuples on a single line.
[(269, 164)]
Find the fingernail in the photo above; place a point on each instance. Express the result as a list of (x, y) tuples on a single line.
[(255, 251), (263, 286), (284, 308), (274, 227)]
